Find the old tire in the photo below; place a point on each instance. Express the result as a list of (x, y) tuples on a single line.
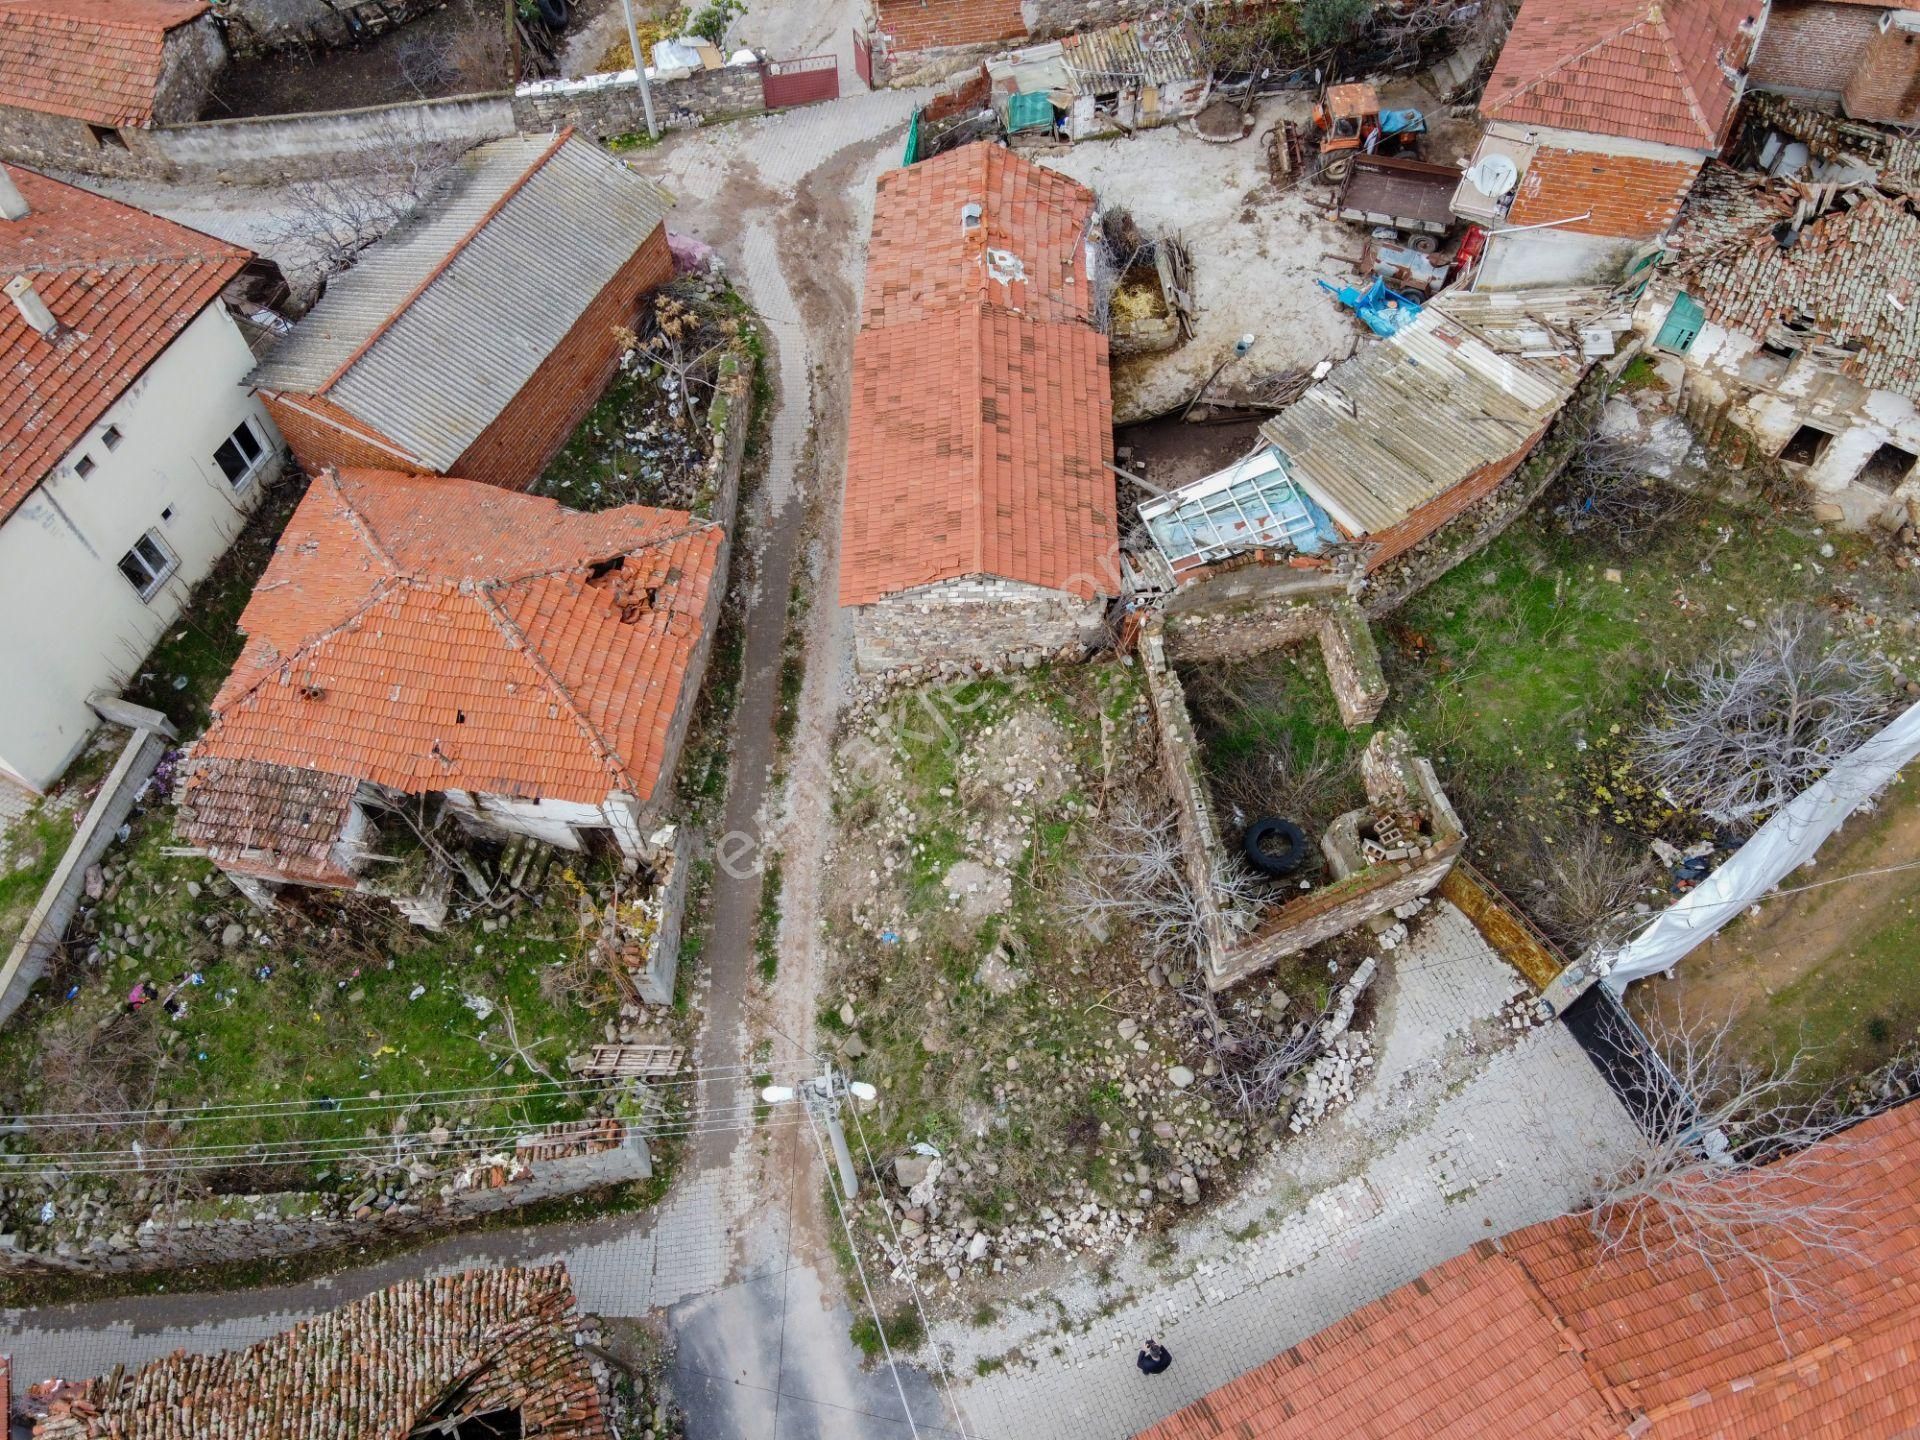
[(556, 13), (1274, 846), (1335, 170)]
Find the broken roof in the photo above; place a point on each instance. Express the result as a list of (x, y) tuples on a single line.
[(122, 283), (93, 60), (1659, 70), (1847, 281), (440, 324), (378, 1368), (431, 634), (1026, 252), (1153, 50), (1410, 416), (982, 419), (1531, 1338)]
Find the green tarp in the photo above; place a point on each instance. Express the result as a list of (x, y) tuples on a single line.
[(1029, 112)]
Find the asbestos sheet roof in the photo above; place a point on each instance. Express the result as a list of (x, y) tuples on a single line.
[(443, 321), (1534, 1337), (1656, 70), (122, 283), (430, 634), (449, 1348), (95, 60), (1849, 280), (1410, 416), (1150, 51), (1027, 253)]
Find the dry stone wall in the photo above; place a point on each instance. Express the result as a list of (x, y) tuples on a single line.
[(978, 622)]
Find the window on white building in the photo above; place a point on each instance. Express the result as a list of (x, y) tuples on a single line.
[(148, 564), (83, 467), (110, 437), (240, 454)]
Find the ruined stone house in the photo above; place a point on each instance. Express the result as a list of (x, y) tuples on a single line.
[(423, 649), (476, 335), (487, 1354), (82, 80), (978, 526), (1795, 308), (1599, 115)]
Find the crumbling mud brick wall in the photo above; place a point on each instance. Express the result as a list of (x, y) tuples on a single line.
[(977, 622)]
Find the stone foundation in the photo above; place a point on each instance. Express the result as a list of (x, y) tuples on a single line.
[(1346, 643), (976, 623)]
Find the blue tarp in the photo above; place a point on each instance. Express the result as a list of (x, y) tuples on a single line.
[(1402, 122), (1385, 311)]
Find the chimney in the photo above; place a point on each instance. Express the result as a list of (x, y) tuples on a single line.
[(20, 290), (13, 205)]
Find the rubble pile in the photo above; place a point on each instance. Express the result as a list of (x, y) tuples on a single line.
[(1330, 1080)]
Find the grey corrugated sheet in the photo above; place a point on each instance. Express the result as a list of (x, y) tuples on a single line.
[(1408, 418), (1154, 51), (448, 364)]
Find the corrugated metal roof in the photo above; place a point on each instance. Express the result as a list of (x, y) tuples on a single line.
[(1411, 416), (1152, 52), (443, 321)]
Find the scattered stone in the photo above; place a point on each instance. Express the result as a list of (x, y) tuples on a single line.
[(910, 1170), (1129, 1028), (1180, 1077), (231, 937)]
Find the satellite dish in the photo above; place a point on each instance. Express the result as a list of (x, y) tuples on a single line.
[(1494, 176)]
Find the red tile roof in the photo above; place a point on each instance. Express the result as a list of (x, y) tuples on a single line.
[(122, 283), (1639, 69), (430, 634), (979, 436), (922, 259), (929, 24), (1628, 196), (1534, 1338), (93, 60)]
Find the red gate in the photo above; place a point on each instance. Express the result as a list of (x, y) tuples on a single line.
[(863, 59), (800, 82)]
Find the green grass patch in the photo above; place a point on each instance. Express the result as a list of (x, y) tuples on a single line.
[(902, 1327), (766, 927)]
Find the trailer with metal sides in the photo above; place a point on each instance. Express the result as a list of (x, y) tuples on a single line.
[(1412, 196)]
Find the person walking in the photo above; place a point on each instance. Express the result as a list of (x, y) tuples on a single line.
[(1154, 1357)]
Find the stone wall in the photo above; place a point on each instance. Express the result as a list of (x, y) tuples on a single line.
[(225, 1229), (1050, 19), (190, 61), (1238, 630), (46, 925), (978, 622), (607, 106), (260, 27)]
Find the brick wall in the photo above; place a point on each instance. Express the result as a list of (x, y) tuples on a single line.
[(1811, 48), (1885, 86), (320, 434), (1630, 197), (1442, 508), (979, 622), (515, 448)]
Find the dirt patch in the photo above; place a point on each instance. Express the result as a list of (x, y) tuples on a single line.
[(1173, 452)]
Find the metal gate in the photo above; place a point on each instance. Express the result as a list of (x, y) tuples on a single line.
[(863, 59), (800, 82)]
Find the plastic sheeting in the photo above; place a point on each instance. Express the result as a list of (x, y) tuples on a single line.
[(1029, 112), (1779, 847)]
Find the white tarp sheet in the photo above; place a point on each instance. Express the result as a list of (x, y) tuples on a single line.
[(1779, 847)]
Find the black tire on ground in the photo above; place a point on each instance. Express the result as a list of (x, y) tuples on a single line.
[(1274, 846), (555, 12), (1335, 170)]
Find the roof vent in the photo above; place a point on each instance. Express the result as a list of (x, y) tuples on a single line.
[(970, 216), (20, 290), (13, 205)]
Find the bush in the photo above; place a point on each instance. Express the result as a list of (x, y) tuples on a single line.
[(1325, 23)]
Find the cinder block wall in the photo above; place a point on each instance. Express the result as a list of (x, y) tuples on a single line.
[(515, 448)]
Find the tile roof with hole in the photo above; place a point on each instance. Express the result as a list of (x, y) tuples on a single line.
[(95, 60), (1538, 1337), (1027, 253), (451, 1348), (429, 634), (1848, 280), (981, 425), (121, 283), (1638, 69), (444, 321)]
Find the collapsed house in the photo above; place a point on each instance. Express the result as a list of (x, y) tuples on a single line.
[(1795, 308), (424, 649), (475, 335), (485, 1354), (1598, 118), (978, 523), (82, 80), (1111, 81)]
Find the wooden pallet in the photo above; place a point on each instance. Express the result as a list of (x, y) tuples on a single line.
[(634, 1062)]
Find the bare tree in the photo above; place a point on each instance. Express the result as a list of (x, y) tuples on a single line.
[(1587, 884), (1613, 494), (1740, 1170), (1751, 726), (328, 220)]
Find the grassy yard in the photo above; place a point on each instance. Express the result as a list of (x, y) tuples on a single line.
[(346, 1000)]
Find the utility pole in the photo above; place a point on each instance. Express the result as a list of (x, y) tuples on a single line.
[(822, 1095), (640, 74)]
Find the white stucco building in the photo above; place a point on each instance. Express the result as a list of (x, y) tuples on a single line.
[(130, 454)]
